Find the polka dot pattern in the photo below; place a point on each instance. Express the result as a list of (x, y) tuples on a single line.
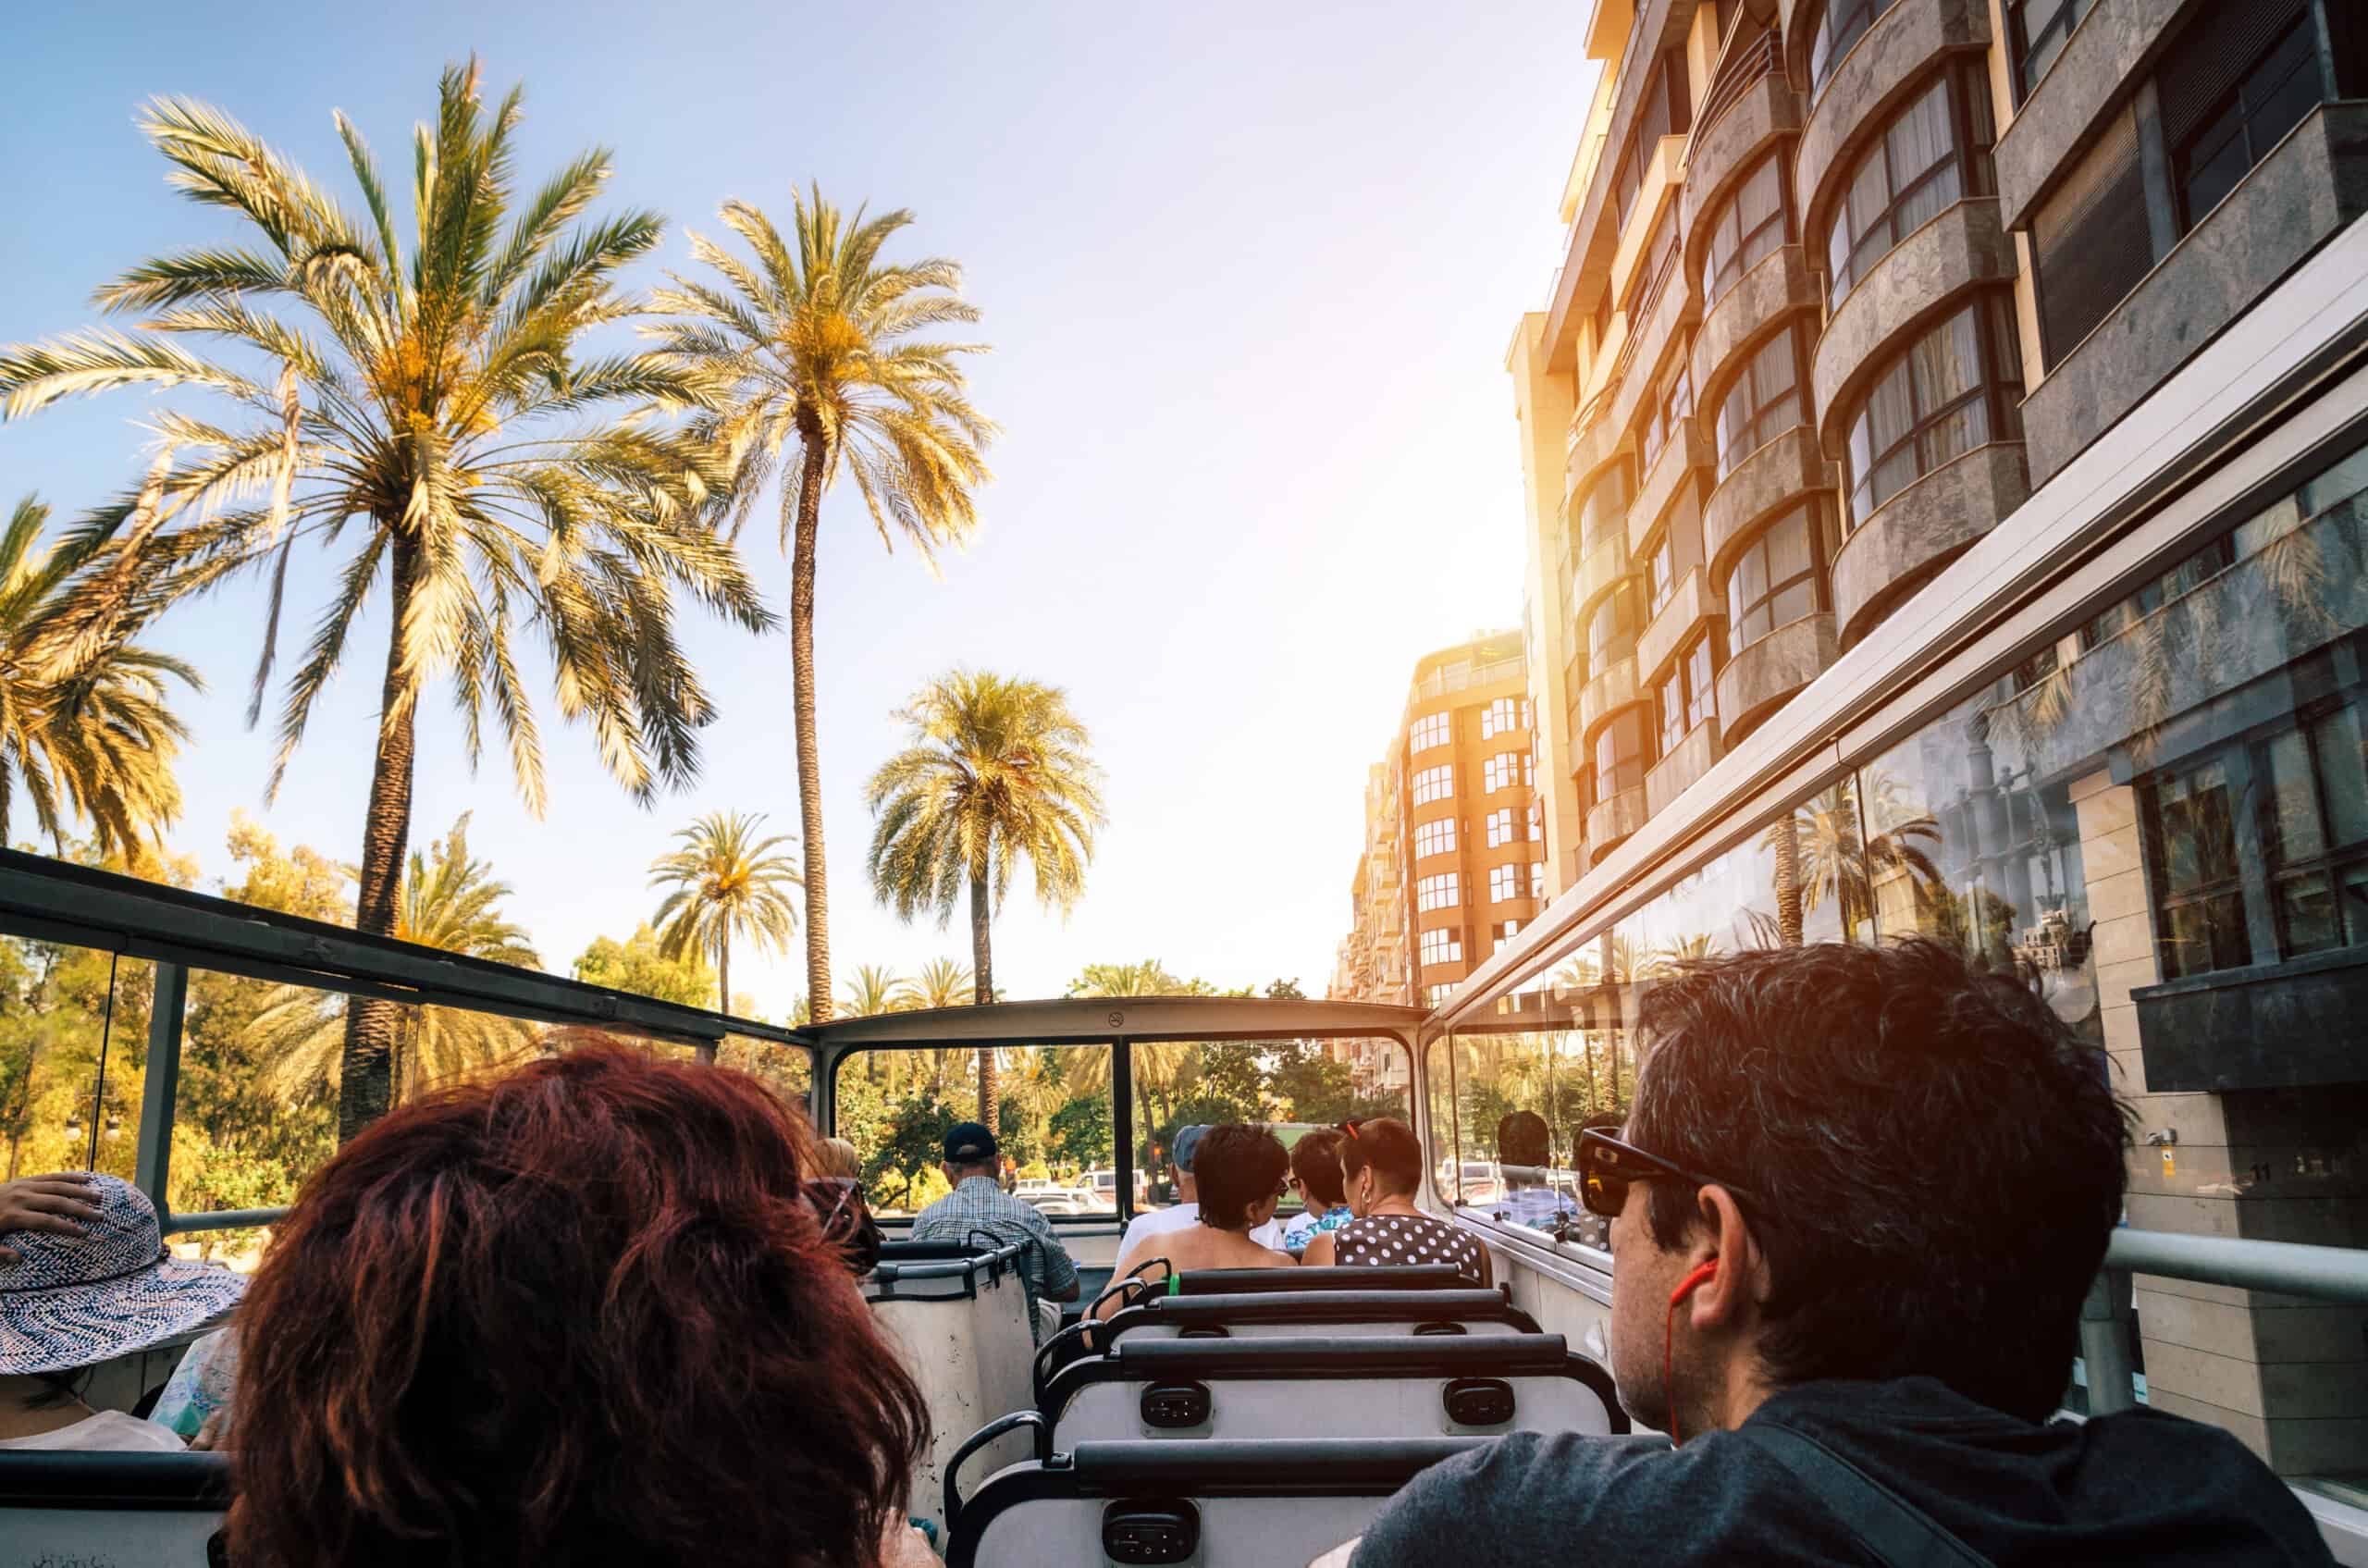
[(1398, 1241)]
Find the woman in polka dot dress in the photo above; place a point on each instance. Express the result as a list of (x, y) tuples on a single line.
[(1381, 1164)]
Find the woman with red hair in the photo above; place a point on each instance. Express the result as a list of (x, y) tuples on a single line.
[(581, 1313)]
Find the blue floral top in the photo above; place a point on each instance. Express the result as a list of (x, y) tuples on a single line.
[(1303, 1231)]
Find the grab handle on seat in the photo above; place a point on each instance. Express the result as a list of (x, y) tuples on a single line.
[(1040, 1374), (979, 1439)]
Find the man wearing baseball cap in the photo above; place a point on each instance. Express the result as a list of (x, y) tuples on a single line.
[(1187, 1209), (978, 1204)]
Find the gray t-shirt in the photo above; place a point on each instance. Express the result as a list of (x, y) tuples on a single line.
[(2140, 1487)]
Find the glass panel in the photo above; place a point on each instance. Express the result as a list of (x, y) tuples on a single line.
[(787, 1071), (73, 1039), (2343, 774), (2290, 804), (2307, 918), (1052, 1118)]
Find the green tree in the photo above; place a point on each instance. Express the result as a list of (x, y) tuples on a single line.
[(640, 965), (503, 486), (452, 902), (1081, 1132), (724, 880), (997, 770), (911, 1143), (876, 989), (84, 721), (943, 983), (815, 344)]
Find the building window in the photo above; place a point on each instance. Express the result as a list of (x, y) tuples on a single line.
[(1507, 929), (2315, 833), (1775, 580), (1503, 771), (1936, 153), (1504, 883), (1611, 627), (1442, 946), (1686, 696), (1665, 110), (1605, 509), (1620, 754), (1701, 701), (1435, 838), (1500, 826), (1656, 264), (1533, 820), (1764, 402), (1955, 389), (1500, 717), (1660, 574), (1437, 994), (1537, 880), (1431, 730), (1434, 784), (2230, 90), (1669, 702), (1665, 422), (2199, 894), (2036, 32), (1842, 23), (1440, 891), (2089, 239), (1747, 231)]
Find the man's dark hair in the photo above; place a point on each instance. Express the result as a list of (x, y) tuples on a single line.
[(1523, 1137), (1315, 1160), (1937, 1159), (1387, 1145), (1235, 1167)]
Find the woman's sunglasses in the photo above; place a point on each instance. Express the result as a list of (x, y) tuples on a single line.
[(1608, 1168)]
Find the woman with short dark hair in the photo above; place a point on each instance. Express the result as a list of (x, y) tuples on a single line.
[(1315, 1175), (1381, 1169), (585, 1312), (1240, 1171)]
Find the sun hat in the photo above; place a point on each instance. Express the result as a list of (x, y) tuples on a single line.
[(71, 1301)]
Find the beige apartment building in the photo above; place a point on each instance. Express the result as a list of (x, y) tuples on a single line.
[(1946, 447), (1452, 862)]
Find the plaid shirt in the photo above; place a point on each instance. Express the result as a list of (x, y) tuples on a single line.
[(980, 1204)]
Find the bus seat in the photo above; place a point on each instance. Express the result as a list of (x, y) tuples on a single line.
[(1240, 1281), (960, 1314), (1261, 1315), (1344, 1387), (63, 1506), (1212, 1504)]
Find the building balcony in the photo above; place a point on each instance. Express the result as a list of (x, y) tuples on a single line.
[(1609, 823), (1670, 306), (1691, 607), (1685, 762), (1614, 687), (1592, 447), (1920, 530), (1756, 489), (1664, 173), (1962, 250), (1762, 677), (1606, 565), (1686, 450), (1760, 304), (1725, 149), (1891, 61), (2313, 184), (2064, 110)]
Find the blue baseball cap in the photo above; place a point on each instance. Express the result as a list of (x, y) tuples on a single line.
[(1187, 1140)]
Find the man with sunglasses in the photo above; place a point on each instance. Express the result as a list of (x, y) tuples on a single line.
[(1858, 1201)]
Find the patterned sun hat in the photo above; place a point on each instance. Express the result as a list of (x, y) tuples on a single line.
[(71, 1301)]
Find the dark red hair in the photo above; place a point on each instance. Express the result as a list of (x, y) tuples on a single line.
[(578, 1314)]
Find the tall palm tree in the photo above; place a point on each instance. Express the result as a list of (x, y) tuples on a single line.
[(997, 770), (452, 901), (1161, 1069), (724, 880), (814, 343), (943, 983), (428, 412), (83, 723), (875, 990)]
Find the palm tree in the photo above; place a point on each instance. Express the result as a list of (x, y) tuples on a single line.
[(450, 901), (998, 768), (814, 343), (875, 990), (943, 983), (1671, 956), (83, 723), (724, 880), (1161, 1069), (503, 488)]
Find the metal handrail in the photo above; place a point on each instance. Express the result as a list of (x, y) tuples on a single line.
[(1737, 79)]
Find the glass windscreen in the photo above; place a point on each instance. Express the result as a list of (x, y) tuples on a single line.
[(1051, 1106)]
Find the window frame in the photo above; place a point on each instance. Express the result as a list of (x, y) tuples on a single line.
[(1972, 134), (1500, 818), (1430, 731), (1739, 616), (1441, 831), (2020, 44), (1440, 782), (1435, 945), (1735, 450), (1997, 388), (1440, 890), (1625, 773), (1722, 274), (1827, 48), (1504, 883), (2180, 154)]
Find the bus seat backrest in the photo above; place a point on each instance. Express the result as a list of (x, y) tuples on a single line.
[(119, 1510), (961, 1319)]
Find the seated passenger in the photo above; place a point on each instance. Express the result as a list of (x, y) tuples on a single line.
[(1381, 1169), (583, 1313), (1241, 1177), (1858, 1201), (1315, 1175), (85, 1278), (1525, 1155), (978, 1204), (1180, 1214)]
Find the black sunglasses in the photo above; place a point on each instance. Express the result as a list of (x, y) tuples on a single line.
[(1608, 1168)]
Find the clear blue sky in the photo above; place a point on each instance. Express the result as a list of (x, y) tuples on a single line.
[(1249, 272)]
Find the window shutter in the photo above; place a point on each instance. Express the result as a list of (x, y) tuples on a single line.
[(2206, 61), (2090, 237)]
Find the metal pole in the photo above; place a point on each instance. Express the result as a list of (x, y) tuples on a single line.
[(2104, 1344), (156, 1139)]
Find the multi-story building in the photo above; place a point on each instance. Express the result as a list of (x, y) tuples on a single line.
[(1452, 860), (1946, 444)]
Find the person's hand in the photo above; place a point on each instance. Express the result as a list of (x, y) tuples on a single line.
[(55, 1203), (904, 1546), (212, 1432)]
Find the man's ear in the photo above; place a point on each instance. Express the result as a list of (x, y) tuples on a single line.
[(1735, 1289)]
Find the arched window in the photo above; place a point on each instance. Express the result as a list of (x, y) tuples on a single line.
[(1936, 153), (1764, 402), (1748, 228), (1842, 23), (1779, 577), (1957, 388)]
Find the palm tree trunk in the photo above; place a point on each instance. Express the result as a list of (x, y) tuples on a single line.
[(809, 762), (706, 1048), (982, 991), (365, 1088), (1788, 884)]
